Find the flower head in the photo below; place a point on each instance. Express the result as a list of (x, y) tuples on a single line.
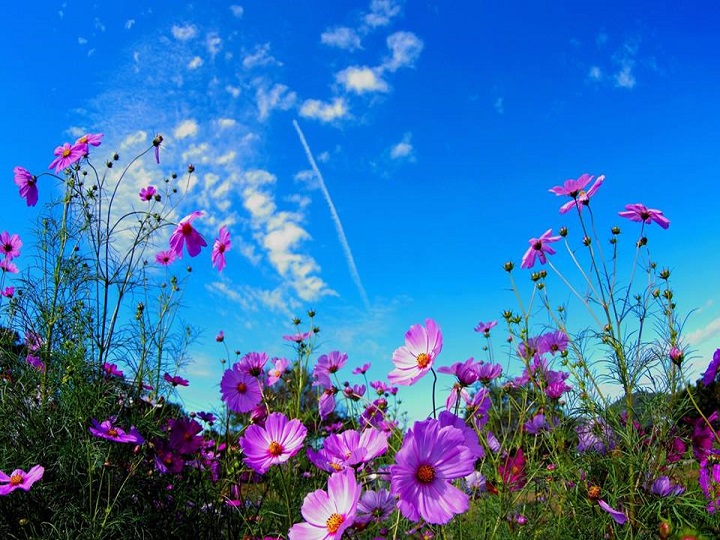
[(9, 267), (275, 443), (241, 391), (576, 190), (185, 437), (220, 247), (618, 516), (27, 184), (709, 480), (35, 362), (165, 258), (712, 369), (108, 430), (147, 193), (175, 380), (431, 457), (19, 479), (375, 506), (328, 514), (484, 328), (414, 359), (641, 213), (67, 154), (10, 245), (92, 139), (111, 370), (276, 372), (185, 234), (538, 248), (361, 370)]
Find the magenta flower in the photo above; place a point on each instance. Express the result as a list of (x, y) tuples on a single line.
[(111, 370), (538, 248), (19, 479), (512, 471), (241, 391), (185, 435), (641, 213), (166, 258), (484, 328), (326, 404), (207, 417), (253, 363), (352, 447), (575, 189), (220, 247), (446, 418), (35, 362), (27, 184), (8, 292), (276, 372), (273, 444), (414, 359), (176, 380), (10, 245), (618, 516), (328, 514), (326, 365), (362, 369), (9, 267), (430, 457), (220, 336), (157, 141), (147, 193), (712, 369), (299, 337), (66, 155), (488, 372), (709, 480), (108, 430), (92, 139), (552, 342), (185, 234)]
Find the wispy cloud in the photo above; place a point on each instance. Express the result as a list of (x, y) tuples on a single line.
[(382, 12), (704, 334), (335, 217), (129, 24), (362, 79), (499, 105), (185, 129), (195, 63), (341, 37), (213, 43), (236, 10), (184, 32), (403, 149), (325, 112), (260, 57), (405, 49), (278, 96)]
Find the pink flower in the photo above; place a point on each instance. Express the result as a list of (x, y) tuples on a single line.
[(641, 213), (175, 380), (147, 193), (362, 369), (9, 267), (414, 359), (538, 248), (241, 391), (276, 372), (27, 184), (8, 292), (67, 154), (328, 514), (185, 233), (35, 362), (618, 516), (299, 337), (165, 258), (111, 370), (19, 479), (273, 444), (484, 328), (575, 190), (712, 369), (92, 139), (221, 245), (220, 336), (107, 430), (10, 245)]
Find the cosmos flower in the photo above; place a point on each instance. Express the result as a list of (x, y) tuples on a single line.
[(111, 370), (446, 418), (19, 479), (185, 234), (484, 328), (488, 372), (108, 430), (253, 363), (362, 369), (220, 247), (414, 359), (299, 337), (553, 342), (662, 487), (275, 443), (641, 213), (185, 435), (618, 516), (92, 139), (35, 362), (326, 404), (712, 369), (175, 380), (575, 189), (431, 457), (9, 267), (165, 258), (27, 184), (512, 471), (220, 336), (328, 514), (10, 245), (66, 155), (375, 506), (241, 391), (538, 248), (709, 481), (276, 372), (352, 447), (326, 365), (147, 193)]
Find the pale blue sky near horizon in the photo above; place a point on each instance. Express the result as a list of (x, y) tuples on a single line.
[(438, 128)]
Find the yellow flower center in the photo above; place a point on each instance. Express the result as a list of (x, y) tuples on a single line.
[(423, 360), (66, 152), (275, 448), (16, 479), (425, 473), (336, 466), (83, 139), (334, 522), (113, 432)]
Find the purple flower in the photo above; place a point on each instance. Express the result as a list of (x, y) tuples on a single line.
[(536, 424), (414, 359), (328, 514), (488, 372), (175, 380), (326, 404), (712, 369), (92, 139), (220, 247), (27, 184), (299, 337), (362, 369), (165, 258), (703, 436), (326, 365), (354, 392), (241, 392), (553, 342), (10, 245), (275, 373), (641, 213), (446, 418), (185, 435), (19, 479), (351, 447), (478, 408), (111, 370), (66, 155), (576, 190), (538, 248), (709, 480), (35, 362), (253, 364), (375, 506), (618, 516), (431, 457), (207, 417), (273, 444), (157, 141), (108, 430), (185, 234), (484, 328), (147, 193), (7, 266), (662, 487), (595, 436)]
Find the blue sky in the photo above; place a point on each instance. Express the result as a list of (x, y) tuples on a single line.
[(438, 128)]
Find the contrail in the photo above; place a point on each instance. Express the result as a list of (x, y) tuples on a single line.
[(335, 218)]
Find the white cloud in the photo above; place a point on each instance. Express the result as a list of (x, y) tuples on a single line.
[(362, 79), (403, 149), (225, 123), (213, 44), (195, 63), (625, 78), (278, 97), (133, 140), (595, 73), (129, 24), (234, 91), (184, 33), (323, 157), (381, 12), (499, 105), (237, 11), (325, 112), (82, 41), (99, 26), (341, 37), (75, 131), (186, 128), (405, 48), (261, 57), (702, 335)]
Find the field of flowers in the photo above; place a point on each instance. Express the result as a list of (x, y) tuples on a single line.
[(93, 446)]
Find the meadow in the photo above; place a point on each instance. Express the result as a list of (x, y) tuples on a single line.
[(600, 435)]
